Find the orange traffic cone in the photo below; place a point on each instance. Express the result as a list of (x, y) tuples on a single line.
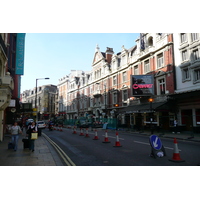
[(117, 143), (74, 131), (106, 138), (81, 133), (176, 156), (95, 137), (87, 135)]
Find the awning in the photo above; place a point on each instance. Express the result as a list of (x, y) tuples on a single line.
[(145, 108)]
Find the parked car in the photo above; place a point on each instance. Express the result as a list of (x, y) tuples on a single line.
[(41, 124)]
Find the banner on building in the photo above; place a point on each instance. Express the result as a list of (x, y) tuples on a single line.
[(19, 69), (142, 85)]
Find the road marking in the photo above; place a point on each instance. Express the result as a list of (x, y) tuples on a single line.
[(114, 137), (149, 144), (141, 142)]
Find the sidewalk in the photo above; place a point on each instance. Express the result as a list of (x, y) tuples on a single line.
[(44, 154)]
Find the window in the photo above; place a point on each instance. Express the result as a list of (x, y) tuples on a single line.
[(160, 61), (136, 70), (185, 73), (196, 75), (124, 76), (161, 86), (125, 95), (146, 66), (183, 37), (195, 54), (115, 98), (194, 36), (184, 55), (123, 61), (114, 80)]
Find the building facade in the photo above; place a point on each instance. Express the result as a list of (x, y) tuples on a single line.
[(11, 69), (105, 93), (46, 100), (187, 62)]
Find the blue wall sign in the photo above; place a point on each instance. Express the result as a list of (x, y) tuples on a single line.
[(19, 69), (155, 142)]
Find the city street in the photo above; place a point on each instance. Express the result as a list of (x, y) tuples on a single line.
[(135, 150)]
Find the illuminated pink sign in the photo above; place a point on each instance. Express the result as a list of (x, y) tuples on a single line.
[(137, 86)]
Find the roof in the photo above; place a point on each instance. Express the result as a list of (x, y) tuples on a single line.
[(142, 108)]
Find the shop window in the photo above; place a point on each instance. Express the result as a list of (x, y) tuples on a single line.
[(198, 116)]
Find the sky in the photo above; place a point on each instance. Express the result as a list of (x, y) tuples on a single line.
[(54, 55)]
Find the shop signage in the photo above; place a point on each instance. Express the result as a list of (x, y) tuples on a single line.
[(142, 85), (20, 53)]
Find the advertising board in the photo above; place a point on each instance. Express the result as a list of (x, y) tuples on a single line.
[(142, 85)]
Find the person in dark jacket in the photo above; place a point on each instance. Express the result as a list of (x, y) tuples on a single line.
[(32, 129)]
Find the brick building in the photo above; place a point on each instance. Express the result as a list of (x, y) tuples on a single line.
[(105, 93)]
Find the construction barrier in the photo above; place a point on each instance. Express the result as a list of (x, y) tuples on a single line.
[(87, 135), (74, 130), (106, 138), (81, 132), (117, 143), (176, 155), (95, 136)]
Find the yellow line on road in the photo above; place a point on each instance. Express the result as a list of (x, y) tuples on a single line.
[(64, 156)]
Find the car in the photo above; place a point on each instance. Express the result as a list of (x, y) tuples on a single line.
[(41, 124)]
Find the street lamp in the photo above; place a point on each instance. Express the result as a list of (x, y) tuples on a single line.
[(104, 100), (151, 117), (36, 96)]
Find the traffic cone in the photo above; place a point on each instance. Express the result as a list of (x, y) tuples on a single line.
[(74, 131), (87, 135), (117, 143), (176, 156), (61, 128), (81, 133), (95, 137), (106, 138)]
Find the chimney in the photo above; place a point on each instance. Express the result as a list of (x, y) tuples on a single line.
[(109, 53)]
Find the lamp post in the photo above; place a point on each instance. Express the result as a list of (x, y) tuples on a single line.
[(36, 96), (151, 117)]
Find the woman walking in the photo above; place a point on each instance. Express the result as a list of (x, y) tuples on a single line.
[(15, 131), (32, 129)]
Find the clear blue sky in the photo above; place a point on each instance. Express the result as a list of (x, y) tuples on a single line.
[(54, 55)]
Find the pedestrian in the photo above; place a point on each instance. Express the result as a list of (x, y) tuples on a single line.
[(15, 131), (175, 126), (32, 129)]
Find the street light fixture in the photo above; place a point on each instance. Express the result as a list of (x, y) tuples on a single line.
[(36, 96), (151, 117), (104, 99)]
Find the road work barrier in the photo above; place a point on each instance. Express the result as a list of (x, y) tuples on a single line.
[(117, 143), (176, 155), (81, 132), (106, 138), (96, 136), (86, 135), (74, 130)]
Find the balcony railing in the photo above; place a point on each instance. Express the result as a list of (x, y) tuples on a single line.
[(97, 93)]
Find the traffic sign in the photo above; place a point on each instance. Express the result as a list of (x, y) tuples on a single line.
[(155, 142)]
